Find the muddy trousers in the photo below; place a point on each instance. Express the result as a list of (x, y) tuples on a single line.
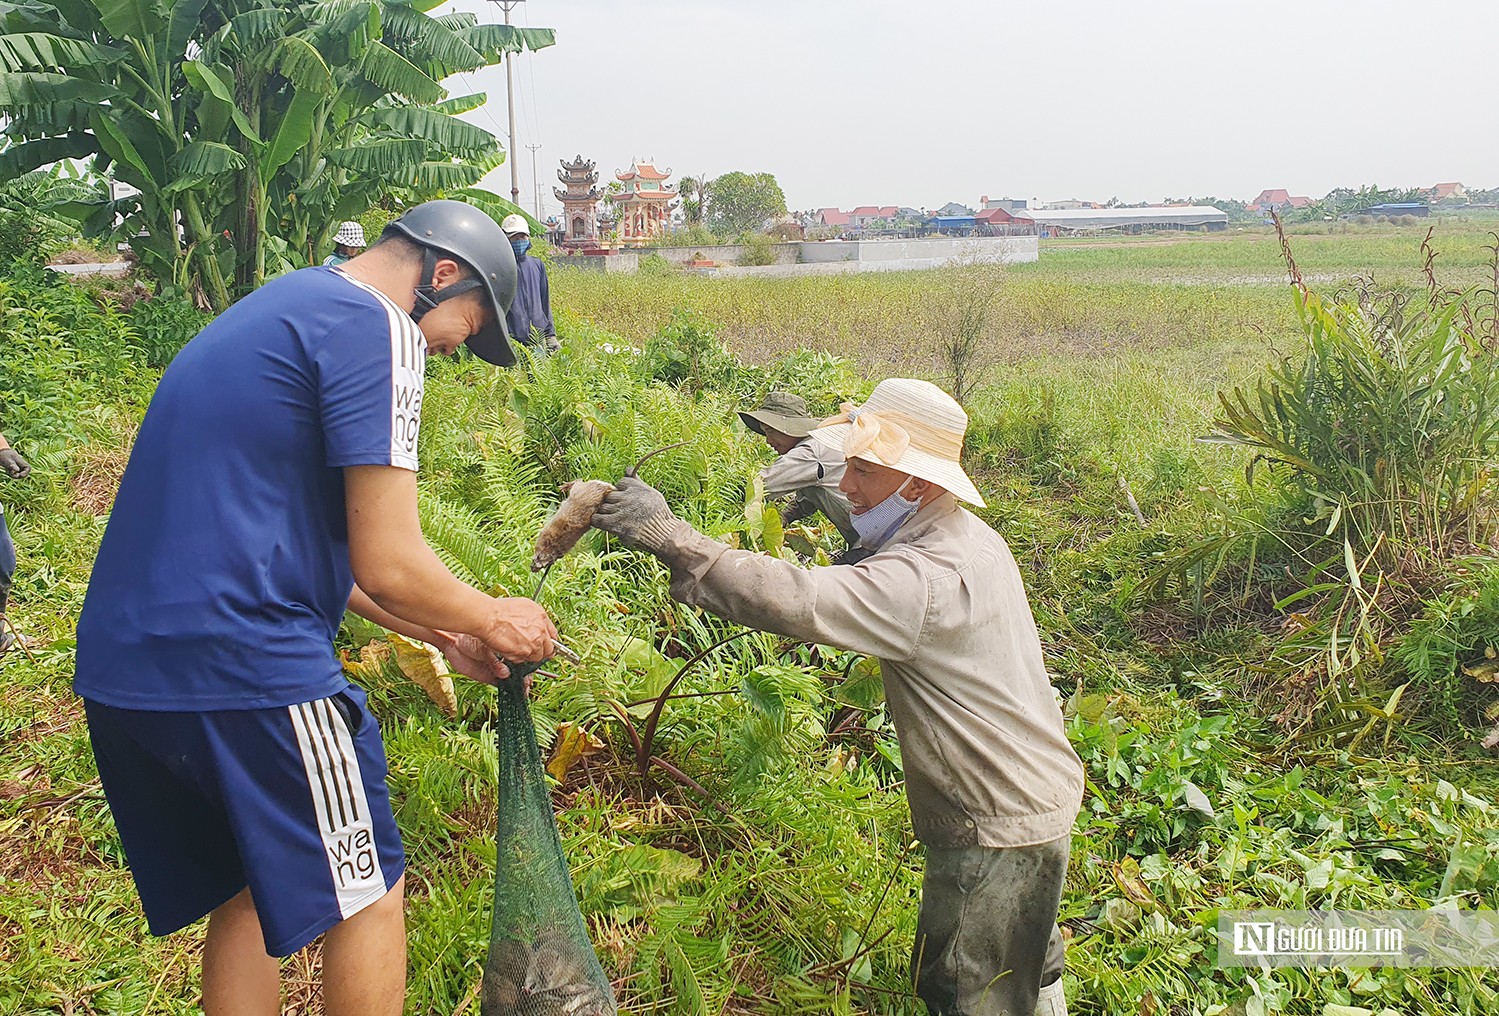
[(986, 936)]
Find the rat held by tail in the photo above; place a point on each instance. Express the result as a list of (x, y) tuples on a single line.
[(575, 514)]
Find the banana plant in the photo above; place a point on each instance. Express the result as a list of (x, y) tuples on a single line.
[(249, 128)]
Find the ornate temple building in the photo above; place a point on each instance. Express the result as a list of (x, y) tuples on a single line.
[(644, 206), (579, 201)]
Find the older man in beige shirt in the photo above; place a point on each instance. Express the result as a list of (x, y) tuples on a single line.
[(993, 784)]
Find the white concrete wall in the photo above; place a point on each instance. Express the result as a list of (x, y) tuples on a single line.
[(847, 257), (621, 262), (724, 254), (913, 255)]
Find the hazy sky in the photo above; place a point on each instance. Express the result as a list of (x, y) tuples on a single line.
[(852, 102)]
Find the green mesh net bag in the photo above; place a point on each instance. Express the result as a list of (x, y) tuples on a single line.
[(540, 960)]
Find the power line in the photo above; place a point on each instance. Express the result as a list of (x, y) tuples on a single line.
[(535, 179), (536, 113)]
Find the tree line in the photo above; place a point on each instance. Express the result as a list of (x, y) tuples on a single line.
[(246, 129)]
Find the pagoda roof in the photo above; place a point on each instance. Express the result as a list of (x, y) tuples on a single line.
[(627, 197), (588, 196), (643, 170)]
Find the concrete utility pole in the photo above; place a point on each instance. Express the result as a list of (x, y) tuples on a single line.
[(536, 180), (507, 6)]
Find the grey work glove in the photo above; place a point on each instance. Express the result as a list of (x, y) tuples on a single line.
[(637, 513), (11, 461), (853, 555), (796, 511)]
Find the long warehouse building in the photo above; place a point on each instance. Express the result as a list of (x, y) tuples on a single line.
[(1133, 220)]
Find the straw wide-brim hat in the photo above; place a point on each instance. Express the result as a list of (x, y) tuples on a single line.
[(781, 411), (909, 425)]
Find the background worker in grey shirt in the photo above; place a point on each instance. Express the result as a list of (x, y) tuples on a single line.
[(807, 471), (993, 784)]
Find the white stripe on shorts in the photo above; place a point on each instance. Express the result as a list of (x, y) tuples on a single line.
[(343, 812)]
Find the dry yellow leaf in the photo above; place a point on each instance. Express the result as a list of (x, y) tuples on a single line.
[(371, 661), (1127, 877), (1486, 672), (425, 665), (573, 743)]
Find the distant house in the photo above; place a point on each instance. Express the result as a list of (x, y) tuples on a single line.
[(864, 215), (1008, 204), (951, 209), (997, 216), (1277, 200), (1070, 204), (1451, 193), (832, 217)]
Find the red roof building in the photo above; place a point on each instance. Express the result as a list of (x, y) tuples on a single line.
[(832, 217), (1275, 200), (865, 214), (645, 204), (1447, 192)]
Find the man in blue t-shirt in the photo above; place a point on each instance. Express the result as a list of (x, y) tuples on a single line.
[(272, 486)]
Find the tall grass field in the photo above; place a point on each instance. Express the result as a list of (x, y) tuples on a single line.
[(1265, 722)]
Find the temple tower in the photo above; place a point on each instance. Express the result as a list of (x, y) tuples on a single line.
[(645, 204), (579, 201)]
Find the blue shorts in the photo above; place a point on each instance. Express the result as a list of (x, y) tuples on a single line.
[(290, 801)]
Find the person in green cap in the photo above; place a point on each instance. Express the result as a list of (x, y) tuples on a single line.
[(805, 471)]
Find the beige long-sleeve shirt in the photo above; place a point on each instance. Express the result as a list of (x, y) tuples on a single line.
[(943, 608), (811, 472)]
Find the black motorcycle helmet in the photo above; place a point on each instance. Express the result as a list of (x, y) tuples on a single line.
[(468, 235)]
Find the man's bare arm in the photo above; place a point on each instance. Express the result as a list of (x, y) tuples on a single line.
[(401, 576)]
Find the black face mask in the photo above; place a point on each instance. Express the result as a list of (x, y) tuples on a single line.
[(429, 296)]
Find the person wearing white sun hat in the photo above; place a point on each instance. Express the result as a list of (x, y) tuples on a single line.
[(530, 316), (993, 784)]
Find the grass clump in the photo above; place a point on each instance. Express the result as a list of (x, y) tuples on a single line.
[(1379, 437)]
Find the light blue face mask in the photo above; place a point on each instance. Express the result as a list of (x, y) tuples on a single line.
[(879, 523), (521, 245)]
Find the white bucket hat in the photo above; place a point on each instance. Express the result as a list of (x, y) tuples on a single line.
[(350, 234), (909, 425), (514, 224)]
